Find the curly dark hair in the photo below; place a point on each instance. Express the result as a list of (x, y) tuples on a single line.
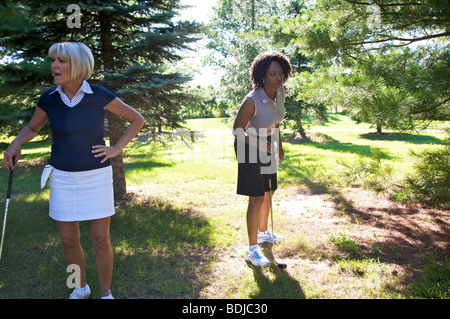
[(262, 62)]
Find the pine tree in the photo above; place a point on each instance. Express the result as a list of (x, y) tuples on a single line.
[(130, 40), (233, 35), (394, 77)]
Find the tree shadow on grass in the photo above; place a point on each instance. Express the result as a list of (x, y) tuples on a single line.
[(298, 174), (160, 251), (32, 264), (143, 162), (282, 287), (406, 237), (144, 156), (326, 142), (411, 138), (165, 252), (412, 239)]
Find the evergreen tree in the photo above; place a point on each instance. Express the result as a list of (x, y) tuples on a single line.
[(233, 35), (395, 55), (130, 41)]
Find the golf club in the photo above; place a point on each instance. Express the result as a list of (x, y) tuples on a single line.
[(277, 262), (8, 195)]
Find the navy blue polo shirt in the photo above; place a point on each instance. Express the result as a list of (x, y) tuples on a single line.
[(76, 129)]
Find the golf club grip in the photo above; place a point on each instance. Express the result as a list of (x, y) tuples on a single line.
[(11, 174)]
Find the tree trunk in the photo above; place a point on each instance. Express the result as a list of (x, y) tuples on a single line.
[(115, 130), (300, 128), (378, 128), (320, 114)]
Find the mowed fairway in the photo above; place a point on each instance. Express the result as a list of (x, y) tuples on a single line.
[(181, 231)]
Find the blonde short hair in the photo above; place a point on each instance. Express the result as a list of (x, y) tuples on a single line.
[(79, 55)]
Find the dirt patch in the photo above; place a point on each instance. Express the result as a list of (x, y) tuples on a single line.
[(396, 241), (393, 241), (402, 237), (405, 236)]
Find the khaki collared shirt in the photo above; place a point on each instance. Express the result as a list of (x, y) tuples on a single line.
[(268, 112)]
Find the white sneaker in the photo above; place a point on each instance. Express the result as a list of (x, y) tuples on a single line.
[(266, 237), (256, 257), (81, 293), (109, 295)]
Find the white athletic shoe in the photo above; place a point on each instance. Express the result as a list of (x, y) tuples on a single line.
[(256, 257), (81, 293), (266, 237), (109, 295)]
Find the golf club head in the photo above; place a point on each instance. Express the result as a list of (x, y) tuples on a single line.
[(281, 264)]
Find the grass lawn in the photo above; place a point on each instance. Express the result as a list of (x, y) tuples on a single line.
[(181, 231)]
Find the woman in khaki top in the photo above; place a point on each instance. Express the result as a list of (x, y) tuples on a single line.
[(256, 130)]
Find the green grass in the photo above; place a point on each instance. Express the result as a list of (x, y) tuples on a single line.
[(181, 231), (321, 157), (434, 283)]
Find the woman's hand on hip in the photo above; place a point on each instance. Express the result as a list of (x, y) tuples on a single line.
[(106, 151)]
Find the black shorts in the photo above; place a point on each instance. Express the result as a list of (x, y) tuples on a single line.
[(255, 171)]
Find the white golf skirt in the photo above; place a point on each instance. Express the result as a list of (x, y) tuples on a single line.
[(81, 196)]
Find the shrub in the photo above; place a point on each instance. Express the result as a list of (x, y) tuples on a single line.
[(431, 183)]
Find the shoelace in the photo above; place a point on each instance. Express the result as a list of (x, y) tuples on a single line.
[(257, 253)]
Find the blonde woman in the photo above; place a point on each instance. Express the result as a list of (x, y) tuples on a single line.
[(79, 169)]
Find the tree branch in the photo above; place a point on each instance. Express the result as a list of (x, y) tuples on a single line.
[(385, 5), (410, 40)]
